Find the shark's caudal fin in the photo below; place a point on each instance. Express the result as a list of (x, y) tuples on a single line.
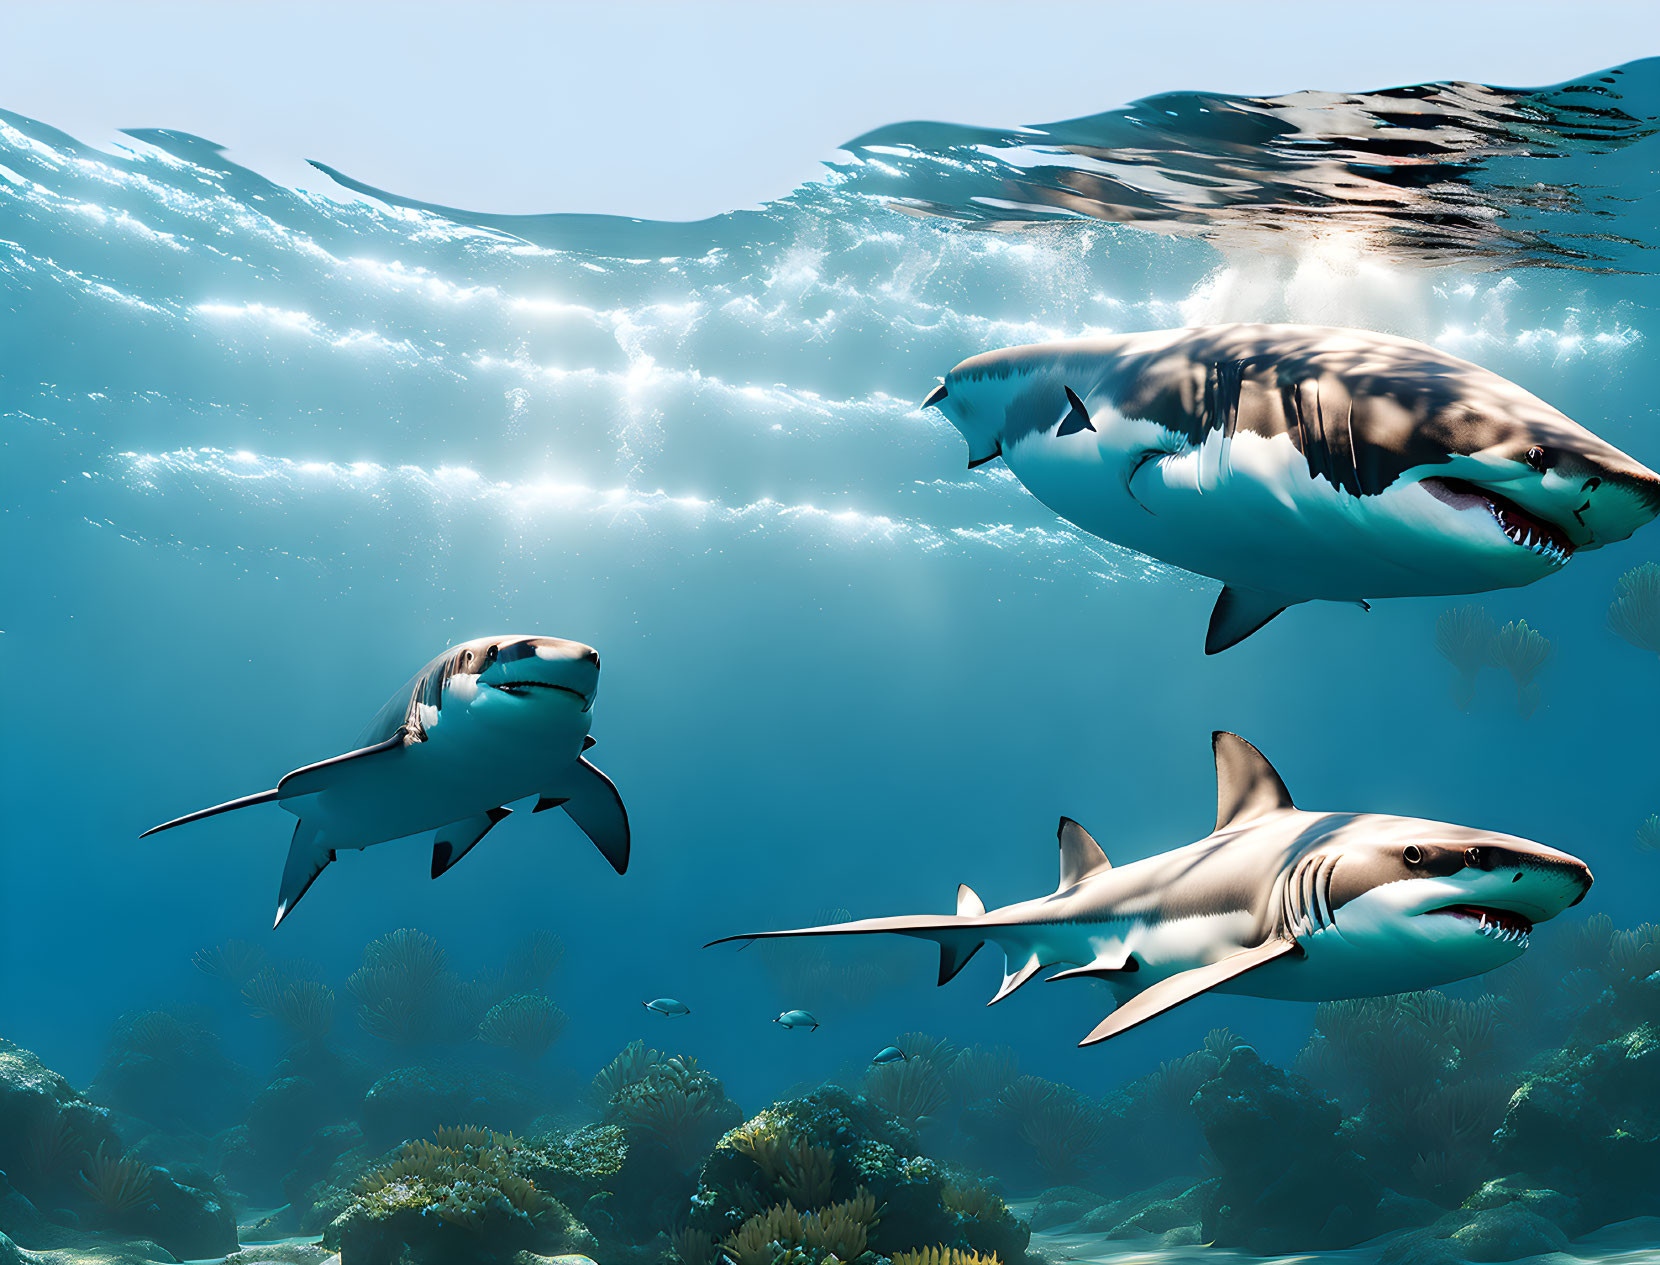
[(306, 780), (1239, 613), (1246, 785), (1172, 992), (958, 935), (229, 806)]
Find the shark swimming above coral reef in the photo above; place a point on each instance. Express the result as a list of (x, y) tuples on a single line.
[(1275, 902), (1299, 463), (487, 722)]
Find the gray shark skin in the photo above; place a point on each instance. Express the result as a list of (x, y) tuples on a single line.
[(1275, 902), (1299, 463), (487, 722)]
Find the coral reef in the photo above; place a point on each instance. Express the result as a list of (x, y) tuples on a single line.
[(1634, 614), (1464, 636), (526, 1023)]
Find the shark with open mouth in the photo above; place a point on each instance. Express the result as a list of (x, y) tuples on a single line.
[(1298, 463), (1275, 902), (487, 722)]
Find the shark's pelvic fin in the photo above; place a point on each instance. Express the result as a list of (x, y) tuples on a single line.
[(308, 854), (1239, 613), (1107, 966), (454, 841), (1013, 978), (1246, 785), (1172, 992), (1081, 856), (595, 806)]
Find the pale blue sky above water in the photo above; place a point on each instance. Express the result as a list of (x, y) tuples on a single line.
[(684, 110)]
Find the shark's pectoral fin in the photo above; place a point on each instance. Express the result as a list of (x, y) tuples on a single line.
[(1013, 978), (589, 742), (595, 806), (1239, 613), (308, 855), (1172, 992), (311, 778), (1077, 417), (454, 841)]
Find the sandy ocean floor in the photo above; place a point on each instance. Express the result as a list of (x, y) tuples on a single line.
[(1626, 1243)]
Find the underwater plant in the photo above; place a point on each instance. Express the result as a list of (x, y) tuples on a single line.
[(234, 961), (1522, 652), (1635, 612), (1585, 943), (977, 1202), (803, 1173), (114, 1184), (1634, 954), (914, 1090), (631, 1064), (528, 1024), (677, 1106), (305, 1007), (533, 960), (1464, 636), (1648, 834), (840, 1230), (53, 1141), (980, 1072), (404, 990), (1172, 1084), (150, 1032), (943, 1255), (693, 1247)]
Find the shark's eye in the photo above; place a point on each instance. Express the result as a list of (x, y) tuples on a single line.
[(1536, 457), (1476, 858), (1412, 854), (490, 655)]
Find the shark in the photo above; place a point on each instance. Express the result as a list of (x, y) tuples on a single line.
[(1276, 902), (1298, 463), (487, 722)]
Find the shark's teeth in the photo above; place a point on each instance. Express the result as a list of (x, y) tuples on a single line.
[(1508, 935), (1528, 536)]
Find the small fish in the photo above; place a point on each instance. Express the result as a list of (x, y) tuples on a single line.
[(798, 1019), (889, 1054), (668, 1006)]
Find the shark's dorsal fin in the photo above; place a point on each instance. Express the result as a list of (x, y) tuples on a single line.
[(1185, 986), (1246, 785), (1081, 856), (968, 904)]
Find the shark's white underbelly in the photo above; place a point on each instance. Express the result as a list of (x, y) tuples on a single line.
[(451, 776), (1245, 511)]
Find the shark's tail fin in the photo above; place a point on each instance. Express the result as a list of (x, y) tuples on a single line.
[(959, 936)]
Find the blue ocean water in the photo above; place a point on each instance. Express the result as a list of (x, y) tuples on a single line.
[(269, 450)]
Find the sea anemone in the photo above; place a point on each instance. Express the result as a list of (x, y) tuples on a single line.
[(803, 1173), (527, 1024), (943, 1255), (1523, 652), (1464, 636), (1635, 612), (632, 1063), (404, 990), (1648, 834)]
